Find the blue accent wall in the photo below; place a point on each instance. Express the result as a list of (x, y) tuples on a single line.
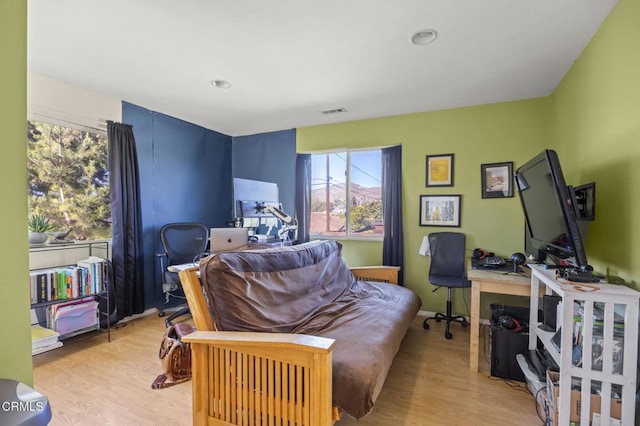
[(185, 176), (269, 157)]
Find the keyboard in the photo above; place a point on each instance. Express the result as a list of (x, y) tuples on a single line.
[(493, 261)]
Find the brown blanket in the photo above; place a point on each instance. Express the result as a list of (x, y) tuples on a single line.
[(308, 289)]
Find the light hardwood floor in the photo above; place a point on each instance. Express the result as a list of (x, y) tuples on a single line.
[(93, 382)]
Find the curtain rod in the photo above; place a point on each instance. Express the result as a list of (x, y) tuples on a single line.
[(330, 150), (58, 120)]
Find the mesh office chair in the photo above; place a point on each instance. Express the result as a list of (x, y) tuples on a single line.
[(184, 242), (447, 270)]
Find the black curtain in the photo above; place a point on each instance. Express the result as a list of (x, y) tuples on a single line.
[(392, 243), (126, 217), (303, 196)]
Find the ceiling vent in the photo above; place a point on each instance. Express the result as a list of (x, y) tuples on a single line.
[(334, 110)]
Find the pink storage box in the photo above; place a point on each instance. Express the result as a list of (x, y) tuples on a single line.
[(76, 317)]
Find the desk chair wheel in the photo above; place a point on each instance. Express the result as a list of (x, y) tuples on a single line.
[(161, 314), (447, 333)]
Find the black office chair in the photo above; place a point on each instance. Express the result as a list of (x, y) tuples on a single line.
[(184, 242), (447, 270)]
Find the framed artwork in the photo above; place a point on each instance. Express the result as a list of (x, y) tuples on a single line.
[(440, 210), (440, 170), (497, 180)]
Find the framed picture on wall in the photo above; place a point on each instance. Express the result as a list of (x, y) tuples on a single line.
[(497, 180), (440, 170), (440, 210)]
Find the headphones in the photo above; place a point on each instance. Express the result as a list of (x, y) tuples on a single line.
[(481, 253), (518, 259), (510, 323)]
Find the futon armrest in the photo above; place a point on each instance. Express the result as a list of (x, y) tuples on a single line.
[(260, 378), (388, 274), (235, 339)]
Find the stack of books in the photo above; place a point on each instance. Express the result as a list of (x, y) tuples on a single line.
[(70, 282), (43, 339)]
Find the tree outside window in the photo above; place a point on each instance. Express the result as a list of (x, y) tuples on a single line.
[(68, 180)]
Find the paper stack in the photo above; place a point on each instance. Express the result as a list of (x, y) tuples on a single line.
[(43, 339)]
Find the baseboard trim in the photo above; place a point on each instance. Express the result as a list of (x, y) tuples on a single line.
[(147, 312)]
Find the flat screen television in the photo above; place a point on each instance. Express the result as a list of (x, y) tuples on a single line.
[(551, 220)]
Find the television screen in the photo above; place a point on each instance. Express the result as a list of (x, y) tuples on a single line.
[(548, 208)]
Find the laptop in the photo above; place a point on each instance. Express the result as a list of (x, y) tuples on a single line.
[(226, 239)]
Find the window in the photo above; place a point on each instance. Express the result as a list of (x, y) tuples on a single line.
[(346, 194), (68, 180)]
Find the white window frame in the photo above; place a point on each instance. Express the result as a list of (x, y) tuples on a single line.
[(348, 235)]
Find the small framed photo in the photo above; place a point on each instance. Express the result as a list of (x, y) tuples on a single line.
[(497, 180), (440, 210), (440, 170)]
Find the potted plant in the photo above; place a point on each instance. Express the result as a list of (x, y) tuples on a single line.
[(39, 225)]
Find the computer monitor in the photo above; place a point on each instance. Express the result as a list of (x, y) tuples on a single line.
[(550, 216)]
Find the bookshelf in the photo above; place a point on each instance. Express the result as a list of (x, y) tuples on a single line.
[(598, 351), (67, 283)]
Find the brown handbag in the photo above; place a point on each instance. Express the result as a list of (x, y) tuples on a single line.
[(175, 356)]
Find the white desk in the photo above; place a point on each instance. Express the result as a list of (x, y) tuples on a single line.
[(248, 246)]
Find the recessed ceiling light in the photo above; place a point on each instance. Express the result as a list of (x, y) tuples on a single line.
[(423, 37), (220, 84)]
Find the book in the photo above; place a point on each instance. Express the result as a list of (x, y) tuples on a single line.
[(42, 337), (597, 343), (95, 273), (46, 348)]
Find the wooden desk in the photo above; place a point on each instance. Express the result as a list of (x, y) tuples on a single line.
[(487, 281)]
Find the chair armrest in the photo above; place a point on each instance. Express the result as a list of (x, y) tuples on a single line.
[(388, 274), (246, 377)]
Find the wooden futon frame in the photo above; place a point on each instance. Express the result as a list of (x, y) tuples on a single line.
[(247, 378)]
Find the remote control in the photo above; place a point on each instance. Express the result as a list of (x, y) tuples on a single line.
[(579, 276)]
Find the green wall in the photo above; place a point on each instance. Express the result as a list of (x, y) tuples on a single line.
[(513, 131), (595, 127), (15, 357), (592, 120)]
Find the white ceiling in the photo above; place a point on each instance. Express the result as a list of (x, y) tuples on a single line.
[(287, 60)]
